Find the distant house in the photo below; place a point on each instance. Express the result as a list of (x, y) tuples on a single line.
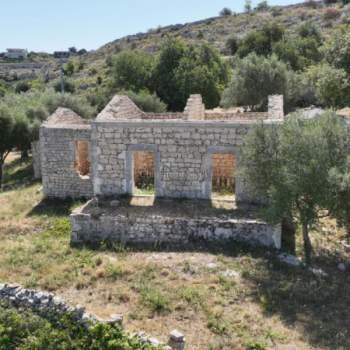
[(61, 54), (16, 53)]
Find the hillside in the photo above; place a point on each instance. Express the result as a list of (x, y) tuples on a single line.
[(216, 30)]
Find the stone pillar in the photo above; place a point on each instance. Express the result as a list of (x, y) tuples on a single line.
[(276, 106), (36, 159), (195, 109), (176, 340)]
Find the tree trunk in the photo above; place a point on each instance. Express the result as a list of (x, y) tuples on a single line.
[(288, 235), (307, 244), (24, 155), (1, 172)]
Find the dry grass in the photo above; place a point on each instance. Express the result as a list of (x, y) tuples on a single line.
[(237, 298)]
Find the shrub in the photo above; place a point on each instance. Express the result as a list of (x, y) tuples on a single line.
[(69, 86), (289, 166), (262, 6), (331, 13), (132, 70), (232, 45), (337, 48), (147, 102), (332, 85), (25, 330), (330, 2), (226, 12), (22, 86), (254, 79)]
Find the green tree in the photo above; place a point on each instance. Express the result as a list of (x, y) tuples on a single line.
[(337, 48), (340, 181), (332, 85), (261, 41), (254, 79), (7, 140), (171, 52), (146, 102), (132, 70), (232, 45), (290, 165), (201, 71), (298, 52)]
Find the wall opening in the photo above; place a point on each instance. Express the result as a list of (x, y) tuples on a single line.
[(82, 162), (223, 176), (144, 173)]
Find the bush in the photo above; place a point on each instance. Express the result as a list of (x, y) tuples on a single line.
[(25, 331), (331, 13), (289, 165), (68, 86), (225, 12), (132, 70), (332, 85), (261, 41), (22, 86), (262, 6), (232, 45), (254, 79), (337, 48), (147, 102), (330, 2)]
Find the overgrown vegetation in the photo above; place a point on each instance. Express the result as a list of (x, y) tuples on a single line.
[(301, 169), (24, 331)]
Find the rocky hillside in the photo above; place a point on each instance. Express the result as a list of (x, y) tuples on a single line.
[(216, 30)]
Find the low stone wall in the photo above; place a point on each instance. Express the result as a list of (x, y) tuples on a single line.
[(47, 304), (93, 224)]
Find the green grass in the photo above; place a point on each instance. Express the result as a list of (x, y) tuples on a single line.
[(267, 305)]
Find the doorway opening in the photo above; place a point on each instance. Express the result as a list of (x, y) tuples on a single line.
[(223, 176), (144, 173), (82, 162)]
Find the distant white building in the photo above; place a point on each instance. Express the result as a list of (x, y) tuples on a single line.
[(16, 53)]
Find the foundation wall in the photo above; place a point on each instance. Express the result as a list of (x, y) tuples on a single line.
[(155, 230), (182, 151), (58, 162)]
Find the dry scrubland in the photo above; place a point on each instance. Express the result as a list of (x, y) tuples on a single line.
[(238, 298)]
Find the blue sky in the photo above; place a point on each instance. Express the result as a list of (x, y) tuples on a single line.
[(48, 25)]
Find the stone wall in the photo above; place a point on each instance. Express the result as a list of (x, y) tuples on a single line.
[(36, 158), (92, 225), (276, 107), (182, 151), (58, 159)]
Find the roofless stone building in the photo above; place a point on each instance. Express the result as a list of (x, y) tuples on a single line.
[(189, 155)]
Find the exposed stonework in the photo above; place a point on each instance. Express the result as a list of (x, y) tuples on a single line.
[(95, 223), (35, 148), (185, 153), (48, 305), (58, 137), (276, 107), (195, 109)]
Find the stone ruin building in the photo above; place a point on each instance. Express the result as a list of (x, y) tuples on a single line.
[(184, 158)]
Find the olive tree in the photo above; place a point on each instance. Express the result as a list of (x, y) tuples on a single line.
[(6, 127), (254, 78), (291, 166)]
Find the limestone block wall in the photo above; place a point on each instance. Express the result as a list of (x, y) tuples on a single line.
[(36, 158), (157, 229), (182, 152), (60, 177)]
